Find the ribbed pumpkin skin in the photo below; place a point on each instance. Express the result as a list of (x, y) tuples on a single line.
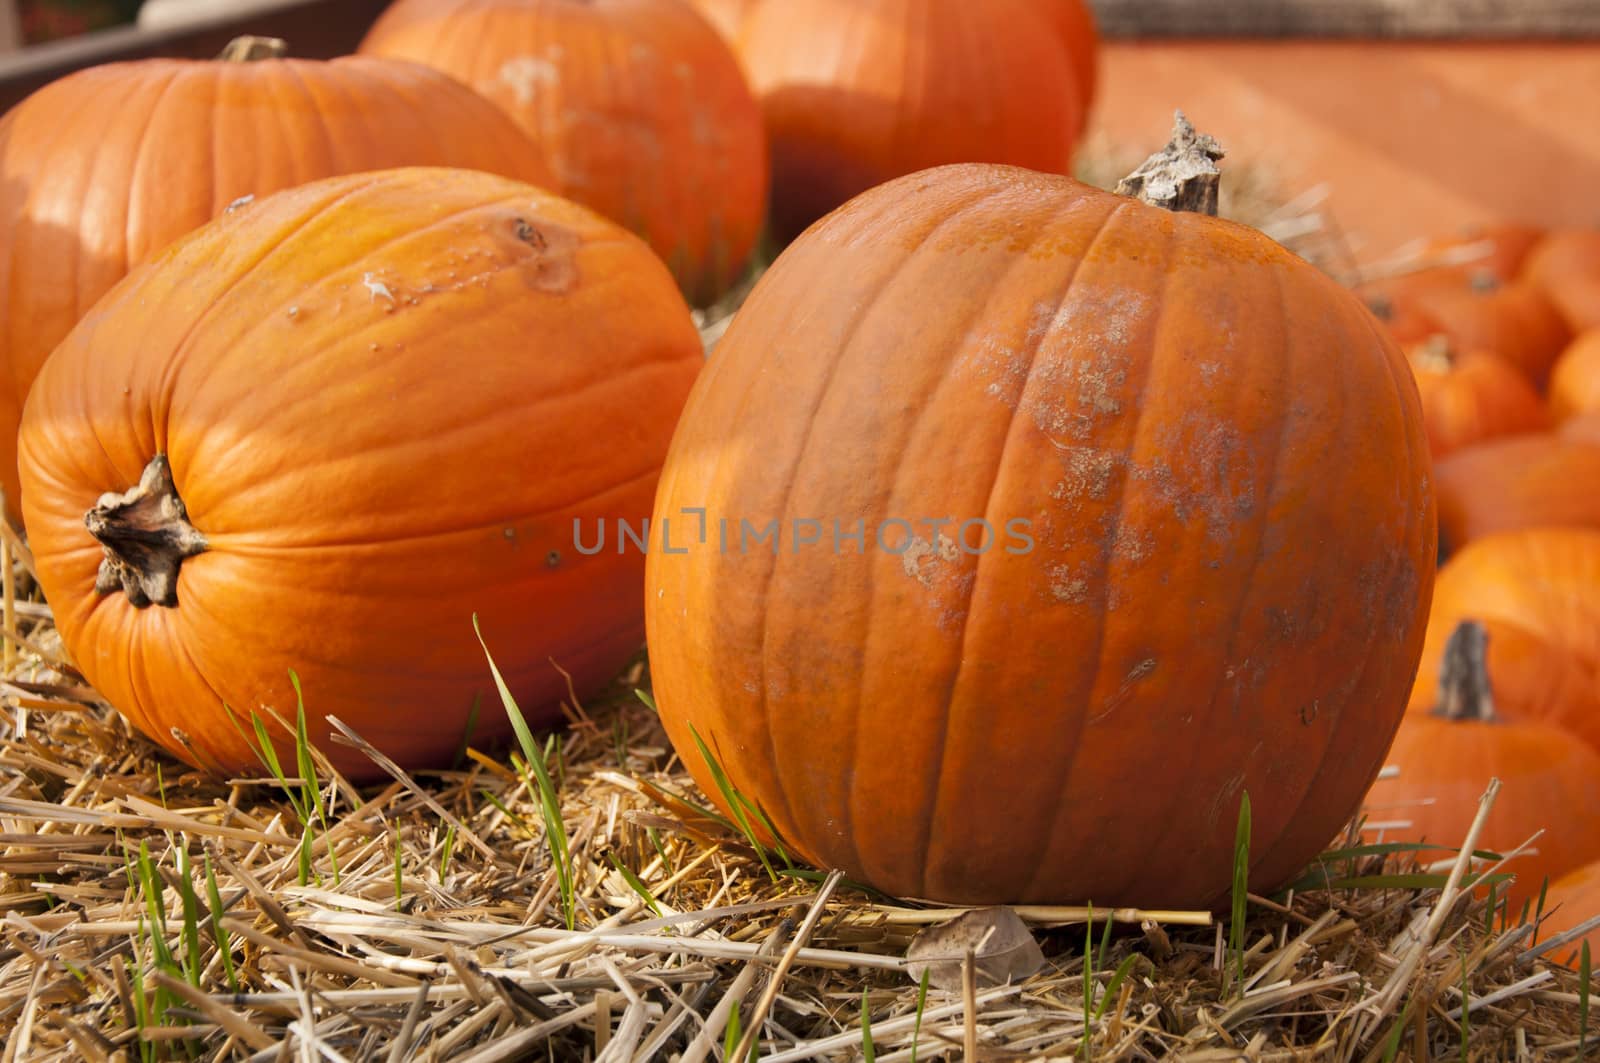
[(1223, 464), (640, 108), (1537, 592), (381, 398), (857, 92), (104, 168)]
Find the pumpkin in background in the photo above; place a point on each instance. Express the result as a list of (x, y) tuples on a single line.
[(1550, 779), (1575, 382), (1585, 427), (1537, 594), (1566, 266), (1527, 481), (727, 15), (639, 106), (1194, 582), (1470, 397), (89, 190), (1573, 900), (857, 92), (1515, 321), (1494, 253), (1075, 25), (325, 430)]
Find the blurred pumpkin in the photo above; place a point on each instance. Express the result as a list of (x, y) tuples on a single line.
[(1471, 397), (1222, 587), (1575, 381), (1537, 594), (1526, 481), (89, 190), (1565, 265), (639, 106), (727, 15), (857, 92), (300, 439), (1445, 759), (1475, 312)]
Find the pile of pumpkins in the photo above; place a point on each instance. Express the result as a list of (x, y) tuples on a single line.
[(1013, 533), (1502, 332)]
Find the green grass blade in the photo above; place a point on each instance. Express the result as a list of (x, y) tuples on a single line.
[(1088, 983), (730, 1036), (922, 1004), (549, 803), (1114, 986), (191, 917), (219, 933), (869, 1051), (1241, 887), (735, 802), (449, 849), (636, 884)]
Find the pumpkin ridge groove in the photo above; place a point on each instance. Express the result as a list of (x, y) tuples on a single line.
[(371, 86), (1065, 293), (174, 367), (1373, 642), (181, 347), (1261, 851), (843, 352), (1116, 513), (136, 171)]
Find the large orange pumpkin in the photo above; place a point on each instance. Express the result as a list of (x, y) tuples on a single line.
[(639, 106), (1527, 481), (1575, 382), (1472, 396), (857, 92), (104, 168), (1207, 558), (1537, 594), (325, 430), (1550, 778)]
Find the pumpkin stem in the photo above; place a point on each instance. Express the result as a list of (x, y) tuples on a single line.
[(249, 49), (1182, 176), (146, 535), (1437, 353), (1464, 692)]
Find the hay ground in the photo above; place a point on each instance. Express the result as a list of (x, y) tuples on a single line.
[(147, 912)]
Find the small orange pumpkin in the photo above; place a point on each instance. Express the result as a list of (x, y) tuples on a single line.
[(1550, 779), (1575, 381), (104, 168), (1524, 481), (857, 92), (639, 106), (1472, 397), (1537, 593), (325, 430), (1566, 266), (1515, 321)]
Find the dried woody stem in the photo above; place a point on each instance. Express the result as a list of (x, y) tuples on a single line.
[(1183, 176)]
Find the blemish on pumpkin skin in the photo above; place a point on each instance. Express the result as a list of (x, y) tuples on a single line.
[(919, 550), (527, 75), (1068, 585)]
